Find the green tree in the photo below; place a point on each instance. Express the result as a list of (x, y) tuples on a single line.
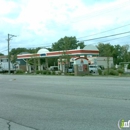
[(81, 45), (121, 54), (124, 52), (1, 54), (15, 51), (107, 51), (117, 56), (66, 43)]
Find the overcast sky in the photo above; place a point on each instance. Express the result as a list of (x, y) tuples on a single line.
[(43, 22)]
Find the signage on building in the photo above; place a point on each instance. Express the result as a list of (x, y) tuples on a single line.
[(43, 55)]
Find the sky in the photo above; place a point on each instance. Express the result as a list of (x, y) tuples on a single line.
[(39, 23)]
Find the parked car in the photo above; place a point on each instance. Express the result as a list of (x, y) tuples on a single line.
[(70, 70), (94, 68), (53, 68)]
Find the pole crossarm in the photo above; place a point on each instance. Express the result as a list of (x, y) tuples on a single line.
[(10, 36)]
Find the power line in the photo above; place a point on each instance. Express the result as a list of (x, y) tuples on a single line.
[(117, 38), (105, 31), (86, 40), (111, 39), (106, 36)]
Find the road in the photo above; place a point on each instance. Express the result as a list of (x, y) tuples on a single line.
[(63, 102)]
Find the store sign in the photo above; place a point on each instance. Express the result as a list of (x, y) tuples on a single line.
[(43, 55)]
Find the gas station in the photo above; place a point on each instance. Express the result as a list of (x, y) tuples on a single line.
[(77, 57)]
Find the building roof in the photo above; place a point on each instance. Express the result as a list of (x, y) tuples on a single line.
[(24, 53), (42, 51), (90, 47), (45, 53)]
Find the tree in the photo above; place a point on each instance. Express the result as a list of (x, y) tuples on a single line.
[(117, 58), (1, 54), (66, 43), (124, 52), (121, 54), (106, 50), (81, 45), (128, 66), (15, 51)]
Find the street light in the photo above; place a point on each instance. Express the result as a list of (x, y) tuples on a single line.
[(9, 38)]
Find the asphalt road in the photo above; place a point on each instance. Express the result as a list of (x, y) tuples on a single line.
[(63, 102)]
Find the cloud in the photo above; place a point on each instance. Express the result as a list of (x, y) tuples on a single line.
[(43, 22)]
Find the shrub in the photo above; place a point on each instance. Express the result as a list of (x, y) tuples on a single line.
[(121, 71), (38, 72), (59, 73), (128, 66), (113, 72), (19, 71), (100, 72), (48, 72), (121, 66), (105, 72), (44, 72), (53, 73), (72, 74), (114, 68)]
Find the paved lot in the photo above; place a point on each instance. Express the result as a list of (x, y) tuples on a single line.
[(63, 102)]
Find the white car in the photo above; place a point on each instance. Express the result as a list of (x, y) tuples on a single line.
[(70, 70), (94, 68), (53, 68)]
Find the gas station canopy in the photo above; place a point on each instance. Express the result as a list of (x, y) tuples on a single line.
[(87, 50)]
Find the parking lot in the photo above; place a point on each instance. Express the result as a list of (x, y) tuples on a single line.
[(63, 102)]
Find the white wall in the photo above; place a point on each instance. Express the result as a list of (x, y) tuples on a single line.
[(102, 61)]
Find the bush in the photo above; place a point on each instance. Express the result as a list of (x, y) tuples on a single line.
[(19, 71), (48, 72), (44, 72), (128, 66), (121, 66), (113, 68), (113, 72), (53, 73), (38, 72), (100, 72), (105, 72), (59, 73), (72, 74), (121, 71)]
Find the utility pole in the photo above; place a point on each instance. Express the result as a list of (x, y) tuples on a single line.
[(9, 38)]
